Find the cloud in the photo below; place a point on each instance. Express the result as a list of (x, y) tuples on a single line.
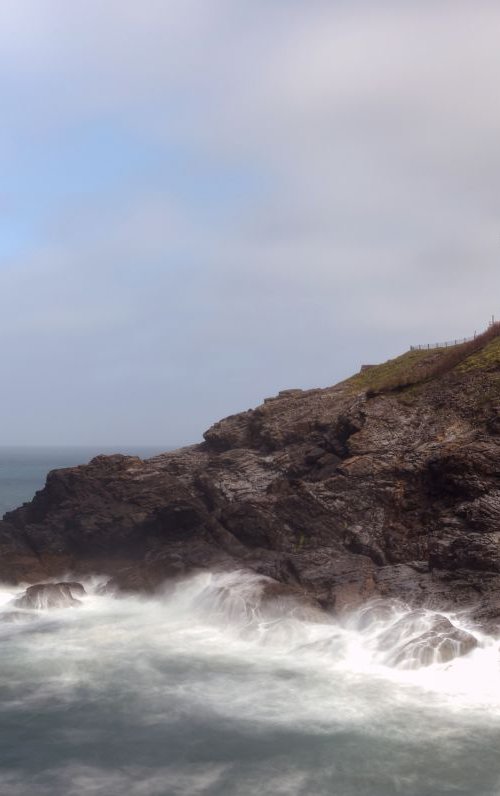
[(209, 201)]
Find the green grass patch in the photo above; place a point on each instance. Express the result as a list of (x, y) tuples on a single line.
[(485, 359), (417, 367), (402, 370)]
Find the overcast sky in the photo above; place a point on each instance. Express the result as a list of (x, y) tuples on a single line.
[(203, 202)]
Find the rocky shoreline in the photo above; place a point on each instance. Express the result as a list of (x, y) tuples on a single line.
[(340, 494)]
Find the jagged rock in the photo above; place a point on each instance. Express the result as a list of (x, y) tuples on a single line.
[(386, 485), (50, 595), (419, 639)]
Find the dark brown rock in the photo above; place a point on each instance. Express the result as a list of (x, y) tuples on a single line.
[(387, 485)]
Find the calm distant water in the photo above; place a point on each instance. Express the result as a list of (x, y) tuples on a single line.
[(23, 470)]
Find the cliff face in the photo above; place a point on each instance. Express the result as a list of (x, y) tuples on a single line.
[(387, 484)]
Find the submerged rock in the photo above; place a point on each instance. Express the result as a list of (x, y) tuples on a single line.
[(279, 600), (15, 616), (376, 613), (51, 595), (422, 639)]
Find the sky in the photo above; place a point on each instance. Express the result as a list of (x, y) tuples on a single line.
[(203, 202)]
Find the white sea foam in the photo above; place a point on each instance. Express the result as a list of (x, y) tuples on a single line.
[(204, 689)]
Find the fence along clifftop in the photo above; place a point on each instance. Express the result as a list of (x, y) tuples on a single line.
[(451, 343), (447, 344)]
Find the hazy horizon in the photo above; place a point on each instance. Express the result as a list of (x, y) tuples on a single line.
[(204, 202), (89, 447)]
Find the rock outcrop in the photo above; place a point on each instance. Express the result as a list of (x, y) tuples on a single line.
[(411, 646), (387, 484), (50, 595)]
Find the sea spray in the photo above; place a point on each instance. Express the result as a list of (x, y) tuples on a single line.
[(210, 689)]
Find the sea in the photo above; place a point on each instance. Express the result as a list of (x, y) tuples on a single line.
[(201, 690)]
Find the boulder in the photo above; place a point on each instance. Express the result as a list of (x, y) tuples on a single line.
[(51, 595), (422, 639)]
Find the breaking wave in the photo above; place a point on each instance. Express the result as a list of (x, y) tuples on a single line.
[(210, 689)]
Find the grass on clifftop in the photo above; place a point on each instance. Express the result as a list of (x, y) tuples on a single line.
[(417, 367), (486, 358), (401, 371)]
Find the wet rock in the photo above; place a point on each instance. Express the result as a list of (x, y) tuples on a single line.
[(76, 589), (376, 612), (347, 494), (435, 647), (422, 639), (278, 599), (51, 595)]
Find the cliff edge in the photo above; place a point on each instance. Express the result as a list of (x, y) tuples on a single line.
[(386, 484)]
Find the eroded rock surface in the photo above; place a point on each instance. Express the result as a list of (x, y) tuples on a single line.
[(343, 494)]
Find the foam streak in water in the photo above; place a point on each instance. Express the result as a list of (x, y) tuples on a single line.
[(209, 689)]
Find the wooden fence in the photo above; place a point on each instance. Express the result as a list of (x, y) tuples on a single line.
[(447, 344), (493, 329)]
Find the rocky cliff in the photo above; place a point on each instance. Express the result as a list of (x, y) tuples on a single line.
[(386, 484)]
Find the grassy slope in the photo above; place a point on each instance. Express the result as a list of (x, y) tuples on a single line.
[(486, 358), (417, 367), (404, 369)]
